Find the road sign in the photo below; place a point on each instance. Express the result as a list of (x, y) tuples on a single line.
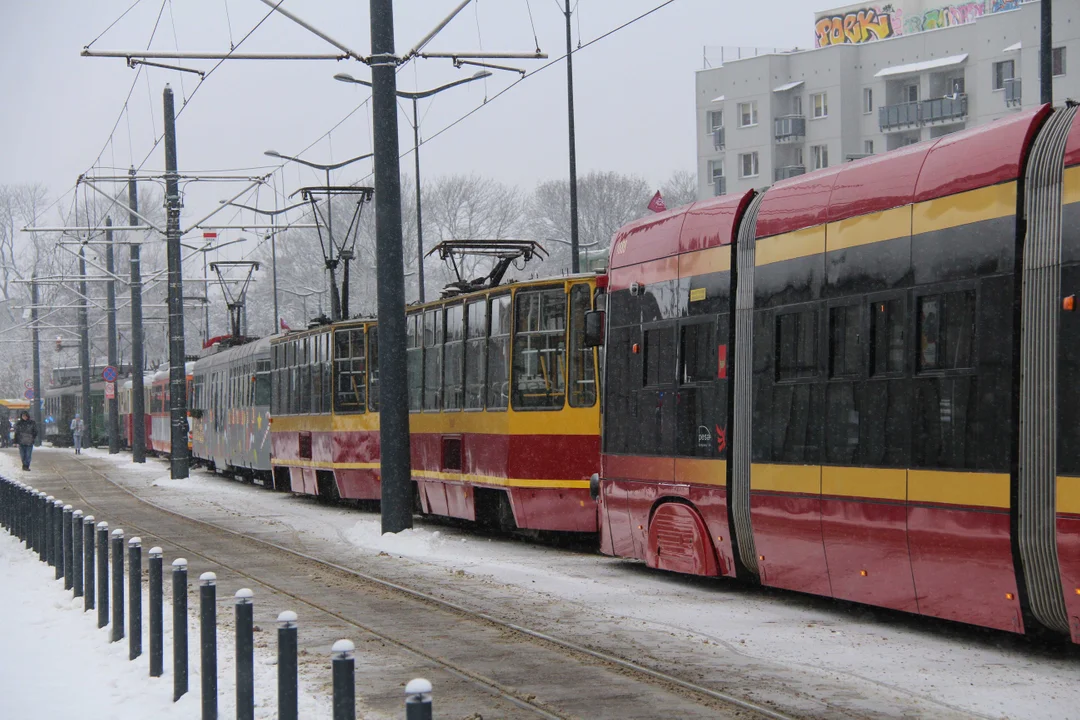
[(29, 394), (29, 384), (110, 391), (109, 374)]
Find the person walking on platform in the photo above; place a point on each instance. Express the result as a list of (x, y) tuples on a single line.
[(25, 435), (77, 433)]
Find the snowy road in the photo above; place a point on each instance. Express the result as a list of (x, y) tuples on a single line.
[(811, 655)]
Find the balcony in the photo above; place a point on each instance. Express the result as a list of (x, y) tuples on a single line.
[(788, 171), (1012, 91), (944, 109), (789, 128), (892, 117), (928, 112), (719, 186), (718, 138)]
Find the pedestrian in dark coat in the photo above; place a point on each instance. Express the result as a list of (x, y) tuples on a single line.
[(25, 435)]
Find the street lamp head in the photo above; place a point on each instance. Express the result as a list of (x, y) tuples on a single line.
[(272, 153), (346, 77), (482, 74)]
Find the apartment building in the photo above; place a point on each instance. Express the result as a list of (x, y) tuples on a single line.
[(881, 77)]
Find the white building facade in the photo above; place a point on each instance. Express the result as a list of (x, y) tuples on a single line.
[(882, 77)]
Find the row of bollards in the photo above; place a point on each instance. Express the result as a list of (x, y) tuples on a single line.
[(78, 547)]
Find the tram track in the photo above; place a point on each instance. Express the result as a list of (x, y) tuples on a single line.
[(705, 697)]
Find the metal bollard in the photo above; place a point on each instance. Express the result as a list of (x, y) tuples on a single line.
[(287, 670), (69, 572), (58, 537), (77, 552), (40, 522), (89, 587), (179, 624), (418, 700), (344, 672), (49, 537), (208, 643), (245, 655), (157, 622), (134, 598), (102, 552), (117, 586)]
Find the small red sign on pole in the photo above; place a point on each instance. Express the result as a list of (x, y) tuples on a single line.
[(110, 391)]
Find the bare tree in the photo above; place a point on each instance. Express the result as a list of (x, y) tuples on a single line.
[(606, 202), (679, 189)]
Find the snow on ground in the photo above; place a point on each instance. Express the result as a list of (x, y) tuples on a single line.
[(993, 674), (55, 662)]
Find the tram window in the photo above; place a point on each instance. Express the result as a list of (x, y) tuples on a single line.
[(946, 331), (454, 358), (582, 359), (498, 354), (433, 359), (659, 362), (327, 378), (886, 337), (539, 349), (350, 370), (414, 356), (697, 353), (845, 339), (475, 346), (262, 382), (373, 368), (796, 345)]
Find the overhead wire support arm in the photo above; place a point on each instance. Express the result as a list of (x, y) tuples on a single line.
[(458, 62), (438, 28), (132, 63), (349, 52), (485, 56), (129, 55)]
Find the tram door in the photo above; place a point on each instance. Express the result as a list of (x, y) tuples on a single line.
[(1068, 403)]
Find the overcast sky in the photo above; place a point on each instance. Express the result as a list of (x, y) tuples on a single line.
[(634, 92)]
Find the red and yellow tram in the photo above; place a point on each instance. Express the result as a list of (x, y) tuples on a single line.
[(505, 418), (862, 382)]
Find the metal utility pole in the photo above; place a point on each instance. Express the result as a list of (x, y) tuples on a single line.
[(84, 348), (36, 402), (1046, 54), (138, 404), (394, 462), (113, 413), (419, 215), (574, 267), (177, 379)]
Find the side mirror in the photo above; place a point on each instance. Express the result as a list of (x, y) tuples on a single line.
[(594, 328)]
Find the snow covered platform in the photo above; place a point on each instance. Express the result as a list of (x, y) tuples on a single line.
[(803, 656)]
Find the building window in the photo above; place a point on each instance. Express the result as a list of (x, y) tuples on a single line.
[(868, 147), (946, 331), (796, 345), (714, 120), (748, 165), (1003, 71), (798, 156), (716, 170), (867, 101), (821, 156), (910, 93), (820, 101), (1057, 60), (796, 105), (956, 86), (748, 113)]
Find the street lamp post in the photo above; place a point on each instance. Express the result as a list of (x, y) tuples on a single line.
[(416, 96), (273, 248), (331, 263)]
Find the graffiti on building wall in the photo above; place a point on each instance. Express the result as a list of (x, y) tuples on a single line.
[(1000, 5), (858, 26), (943, 17)]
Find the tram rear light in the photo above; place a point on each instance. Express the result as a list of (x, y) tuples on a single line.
[(863, 573), (1009, 596), (1069, 303)]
